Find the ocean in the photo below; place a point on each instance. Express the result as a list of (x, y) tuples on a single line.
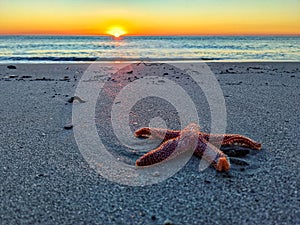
[(47, 49)]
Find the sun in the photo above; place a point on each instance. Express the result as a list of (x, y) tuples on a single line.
[(116, 31)]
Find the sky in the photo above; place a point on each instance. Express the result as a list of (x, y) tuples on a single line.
[(150, 17)]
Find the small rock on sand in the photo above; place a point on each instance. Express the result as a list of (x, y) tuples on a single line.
[(11, 67), (66, 78), (72, 99), (68, 126), (168, 222), (153, 217)]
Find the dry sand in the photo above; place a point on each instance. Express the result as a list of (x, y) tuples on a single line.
[(45, 180)]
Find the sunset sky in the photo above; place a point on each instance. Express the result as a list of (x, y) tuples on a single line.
[(151, 17)]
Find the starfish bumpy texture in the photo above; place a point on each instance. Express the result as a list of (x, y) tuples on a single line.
[(175, 142)]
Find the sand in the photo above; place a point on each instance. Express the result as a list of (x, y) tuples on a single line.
[(44, 178)]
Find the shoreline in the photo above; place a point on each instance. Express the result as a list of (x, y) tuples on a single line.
[(149, 61)]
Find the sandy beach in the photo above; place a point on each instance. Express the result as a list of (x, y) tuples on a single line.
[(44, 178)]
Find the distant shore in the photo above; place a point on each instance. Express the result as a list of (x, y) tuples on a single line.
[(44, 179)]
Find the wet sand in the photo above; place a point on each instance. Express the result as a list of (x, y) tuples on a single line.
[(44, 179)]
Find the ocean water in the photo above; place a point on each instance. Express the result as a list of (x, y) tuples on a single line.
[(46, 49)]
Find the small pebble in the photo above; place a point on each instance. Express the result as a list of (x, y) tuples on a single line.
[(72, 99), (168, 222), (68, 126), (11, 67), (41, 175)]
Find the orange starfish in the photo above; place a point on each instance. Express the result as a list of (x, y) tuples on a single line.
[(204, 145)]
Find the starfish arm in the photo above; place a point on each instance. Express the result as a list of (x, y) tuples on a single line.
[(231, 139), (164, 151), (212, 154), (187, 140), (156, 133)]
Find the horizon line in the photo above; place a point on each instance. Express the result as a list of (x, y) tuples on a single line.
[(145, 35)]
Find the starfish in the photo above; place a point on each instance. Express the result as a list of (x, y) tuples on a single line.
[(175, 142)]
